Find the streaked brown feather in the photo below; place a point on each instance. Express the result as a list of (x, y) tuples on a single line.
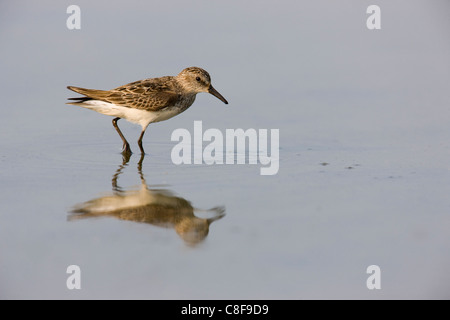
[(149, 94)]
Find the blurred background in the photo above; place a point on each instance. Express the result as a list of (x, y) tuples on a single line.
[(364, 152)]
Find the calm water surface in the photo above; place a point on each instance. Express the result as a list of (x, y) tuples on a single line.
[(364, 172)]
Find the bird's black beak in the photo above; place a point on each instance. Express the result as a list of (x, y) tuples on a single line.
[(215, 93)]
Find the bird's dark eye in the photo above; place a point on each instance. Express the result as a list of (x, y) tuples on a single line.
[(198, 79)]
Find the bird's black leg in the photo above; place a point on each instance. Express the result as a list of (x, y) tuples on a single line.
[(126, 146), (140, 141)]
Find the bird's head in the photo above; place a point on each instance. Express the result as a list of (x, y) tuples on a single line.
[(197, 80)]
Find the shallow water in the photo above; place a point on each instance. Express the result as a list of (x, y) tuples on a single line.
[(364, 153)]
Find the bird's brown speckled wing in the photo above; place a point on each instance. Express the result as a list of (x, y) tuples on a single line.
[(149, 94)]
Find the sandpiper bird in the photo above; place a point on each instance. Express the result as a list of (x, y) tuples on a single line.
[(159, 207), (149, 100)]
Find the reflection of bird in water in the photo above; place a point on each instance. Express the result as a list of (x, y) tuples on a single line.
[(147, 101), (158, 207)]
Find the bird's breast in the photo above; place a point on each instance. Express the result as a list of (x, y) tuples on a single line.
[(182, 104), (185, 101)]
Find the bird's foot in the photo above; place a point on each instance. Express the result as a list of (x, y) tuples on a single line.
[(126, 147), (126, 150)]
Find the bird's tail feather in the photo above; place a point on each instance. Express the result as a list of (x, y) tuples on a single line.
[(79, 99), (89, 94)]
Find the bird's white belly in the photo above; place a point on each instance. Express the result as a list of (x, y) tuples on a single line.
[(139, 116), (166, 114)]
